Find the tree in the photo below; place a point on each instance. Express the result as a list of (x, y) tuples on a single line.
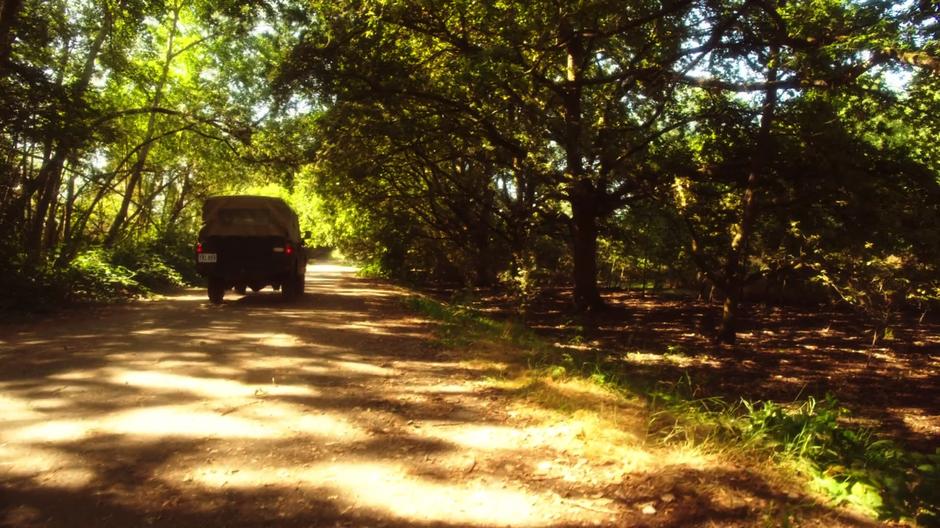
[(584, 85), (793, 50)]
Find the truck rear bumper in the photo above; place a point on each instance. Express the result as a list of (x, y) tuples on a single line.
[(248, 260)]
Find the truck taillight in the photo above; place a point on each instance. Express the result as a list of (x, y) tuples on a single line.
[(198, 247), (289, 249)]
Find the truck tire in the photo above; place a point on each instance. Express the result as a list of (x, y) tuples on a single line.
[(293, 287), (287, 289), (216, 290)]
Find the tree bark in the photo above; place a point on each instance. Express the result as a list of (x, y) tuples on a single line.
[(8, 13), (582, 193), (180, 201), (584, 211), (735, 267), (49, 178), (69, 209)]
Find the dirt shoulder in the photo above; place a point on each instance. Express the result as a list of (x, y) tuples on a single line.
[(337, 410)]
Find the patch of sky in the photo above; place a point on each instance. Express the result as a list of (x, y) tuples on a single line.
[(263, 28), (209, 75), (896, 79), (900, 7), (507, 184), (98, 159), (100, 79), (260, 111), (299, 106)]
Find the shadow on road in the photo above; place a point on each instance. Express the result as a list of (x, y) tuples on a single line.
[(336, 409)]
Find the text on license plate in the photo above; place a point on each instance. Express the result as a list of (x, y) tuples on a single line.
[(207, 257)]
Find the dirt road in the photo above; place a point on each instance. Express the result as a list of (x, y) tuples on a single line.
[(338, 410)]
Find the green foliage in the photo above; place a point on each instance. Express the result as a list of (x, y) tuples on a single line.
[(140, 110), (154, 274), (28, 289), (90, 277), (373, 270), (450, 141), (879, 286), (525, 281), (645, 246), (93, 277), (159, 264), (849, 464)]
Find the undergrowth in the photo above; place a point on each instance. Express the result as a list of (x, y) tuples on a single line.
[(95, 275), (849, 464)]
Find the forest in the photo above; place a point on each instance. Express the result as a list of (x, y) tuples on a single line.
[(750, 156), (741, 148)]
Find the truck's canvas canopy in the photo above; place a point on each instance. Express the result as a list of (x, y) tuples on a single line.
[(248, 216)]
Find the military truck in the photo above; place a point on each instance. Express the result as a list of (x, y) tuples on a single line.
[(250, 242)]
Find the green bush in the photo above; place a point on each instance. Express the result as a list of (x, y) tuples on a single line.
[(28, 291), (160, 263), (373, 269), (92, 277), (851, 464), (155, 274)]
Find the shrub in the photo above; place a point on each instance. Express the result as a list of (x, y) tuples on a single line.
[(154, 274), (160, 263), (92, 277)]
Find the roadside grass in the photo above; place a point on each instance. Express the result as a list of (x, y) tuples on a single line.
[(809, 438)]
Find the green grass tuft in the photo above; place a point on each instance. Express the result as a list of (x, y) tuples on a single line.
[(849, 464)]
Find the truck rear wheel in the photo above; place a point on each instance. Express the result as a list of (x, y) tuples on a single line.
[(216, 290), (293, 287)]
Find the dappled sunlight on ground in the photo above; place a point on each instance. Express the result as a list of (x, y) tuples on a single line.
[(337, 409), (49, 467), (391, 490), (208, 387), (784, 353), (325, 267)]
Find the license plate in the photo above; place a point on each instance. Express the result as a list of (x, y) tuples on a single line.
[(207, 257)]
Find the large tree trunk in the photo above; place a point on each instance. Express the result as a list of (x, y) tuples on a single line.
[(50, 177), (483, 274), (584, 246), (735, 271), (69, 209), (581, 191)]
